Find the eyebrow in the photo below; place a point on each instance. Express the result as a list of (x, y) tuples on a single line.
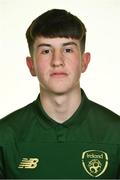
[(70, 43), (43, 44), (64, 44)]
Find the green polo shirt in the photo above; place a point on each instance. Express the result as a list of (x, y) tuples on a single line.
[(86, 146)]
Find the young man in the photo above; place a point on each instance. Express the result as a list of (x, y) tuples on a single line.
[(62, 134)]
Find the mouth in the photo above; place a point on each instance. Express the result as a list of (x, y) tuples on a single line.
[(58, 74)]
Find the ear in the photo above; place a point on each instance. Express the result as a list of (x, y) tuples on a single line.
[(30, 64), (85, 61)]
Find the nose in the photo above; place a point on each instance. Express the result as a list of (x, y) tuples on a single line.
[(57, 59)]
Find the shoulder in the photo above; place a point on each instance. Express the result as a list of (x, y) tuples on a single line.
[(16, 115), (102, 112), (97, 111), (16, 122), (104, 124)]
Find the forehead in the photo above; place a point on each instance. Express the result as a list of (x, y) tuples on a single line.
[(56, 42)]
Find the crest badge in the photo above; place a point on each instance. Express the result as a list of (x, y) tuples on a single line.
[(95, 162)]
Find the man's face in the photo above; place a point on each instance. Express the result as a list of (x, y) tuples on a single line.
[(58, 64)]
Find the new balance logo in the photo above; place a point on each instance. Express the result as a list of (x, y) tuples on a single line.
[(30, 163)]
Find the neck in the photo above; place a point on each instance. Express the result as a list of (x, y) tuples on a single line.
[(60, 107)]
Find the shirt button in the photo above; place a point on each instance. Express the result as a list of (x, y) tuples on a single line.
[(61, 133)]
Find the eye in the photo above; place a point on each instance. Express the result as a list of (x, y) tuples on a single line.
[(68, 50), (45, 51)]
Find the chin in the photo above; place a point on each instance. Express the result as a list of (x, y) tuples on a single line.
[(60, 91)]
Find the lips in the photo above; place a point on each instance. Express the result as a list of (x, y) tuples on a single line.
[(58, 74)]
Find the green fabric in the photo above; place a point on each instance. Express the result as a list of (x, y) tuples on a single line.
[(86, 146)]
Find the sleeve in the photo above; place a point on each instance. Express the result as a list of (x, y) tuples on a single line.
[(1, 164), (118, 175)]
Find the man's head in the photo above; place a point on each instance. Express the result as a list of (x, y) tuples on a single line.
[(56, 23)]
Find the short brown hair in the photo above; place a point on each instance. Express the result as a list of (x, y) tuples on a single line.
[(56, 23)]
